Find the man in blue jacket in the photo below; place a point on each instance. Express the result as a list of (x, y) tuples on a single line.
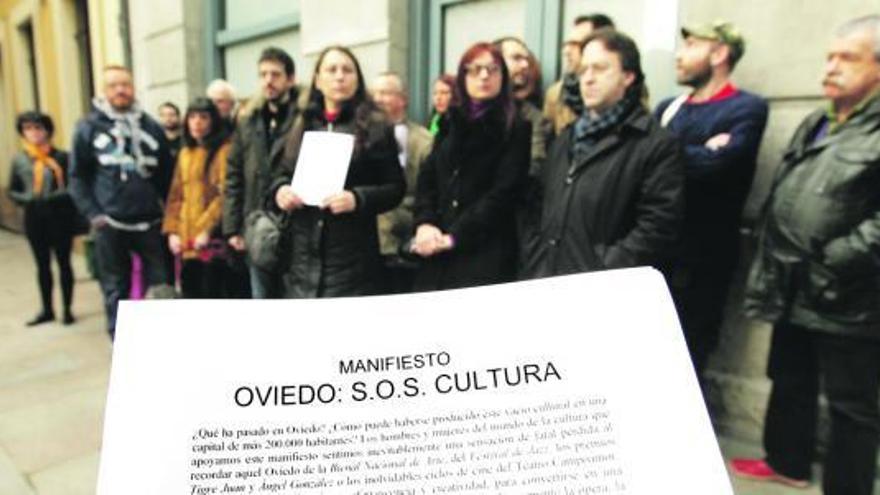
[(719, 127), (121, 168)]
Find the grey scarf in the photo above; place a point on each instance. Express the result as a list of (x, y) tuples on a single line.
[(589, 129), (127, 123)]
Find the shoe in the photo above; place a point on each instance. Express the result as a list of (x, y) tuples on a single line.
[(41, 318), (759, 470), (68, 318)]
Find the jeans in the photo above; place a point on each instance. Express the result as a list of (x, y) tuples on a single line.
[(264, 285), (112, 248)]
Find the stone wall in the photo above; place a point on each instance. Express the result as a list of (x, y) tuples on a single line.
[(59, 83), (167, 51), (785, 54), (375, 30)]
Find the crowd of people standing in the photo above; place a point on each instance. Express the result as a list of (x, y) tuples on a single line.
[(505, 182)]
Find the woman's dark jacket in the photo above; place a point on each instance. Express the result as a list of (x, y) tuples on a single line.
[(54, 208), (331, 255), (618, 206), (469, 187)]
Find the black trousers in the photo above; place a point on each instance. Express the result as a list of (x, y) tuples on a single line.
[(204, 279), (46, 235), (398, 275), (112, 250), (849, 370), (237, 277), (700, 298)]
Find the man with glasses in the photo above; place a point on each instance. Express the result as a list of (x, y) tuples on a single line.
[(612, 184), (562, 103)]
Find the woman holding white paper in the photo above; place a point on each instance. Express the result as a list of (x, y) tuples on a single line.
[(468, 187), (333, 248)]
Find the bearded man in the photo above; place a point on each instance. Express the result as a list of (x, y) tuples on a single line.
[(719, 127)]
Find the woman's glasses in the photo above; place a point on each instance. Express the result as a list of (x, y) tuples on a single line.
[(475, 70)]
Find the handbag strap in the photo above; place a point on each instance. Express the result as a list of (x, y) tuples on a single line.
[(673, 109)]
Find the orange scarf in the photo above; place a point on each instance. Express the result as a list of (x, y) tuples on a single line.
[(41, 157)]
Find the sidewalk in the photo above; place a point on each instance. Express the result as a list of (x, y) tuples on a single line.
[(53, 382)]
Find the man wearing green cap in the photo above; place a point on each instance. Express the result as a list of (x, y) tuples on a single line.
[(719, 127), (816, 277)]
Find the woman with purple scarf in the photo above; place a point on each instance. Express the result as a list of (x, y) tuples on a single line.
[(468, 188)]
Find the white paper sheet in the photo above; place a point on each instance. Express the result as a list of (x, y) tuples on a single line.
[(322, 165), (571, 385)]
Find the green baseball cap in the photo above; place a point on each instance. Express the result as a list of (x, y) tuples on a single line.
[(720, 31)]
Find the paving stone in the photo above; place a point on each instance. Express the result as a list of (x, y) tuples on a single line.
[(53, 383), (50, 433), (12, 481), (77, 476)]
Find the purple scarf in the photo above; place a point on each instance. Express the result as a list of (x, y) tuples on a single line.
[(477, 109)]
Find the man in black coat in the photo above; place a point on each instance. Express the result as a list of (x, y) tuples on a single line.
[(816, 277), (120, 172), (612, 184), (169, 117), (257, 146)]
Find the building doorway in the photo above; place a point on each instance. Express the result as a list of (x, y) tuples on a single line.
[(26, 33), (84, 48)]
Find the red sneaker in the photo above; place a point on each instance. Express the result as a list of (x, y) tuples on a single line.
[(758, 470)]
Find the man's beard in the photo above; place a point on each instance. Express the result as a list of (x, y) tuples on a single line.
[(519, 90), (173, 127), (519, 83), (121, 106), (698, 79), (282, 98)]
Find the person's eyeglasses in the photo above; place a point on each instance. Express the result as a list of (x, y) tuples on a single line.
[(475, 70)]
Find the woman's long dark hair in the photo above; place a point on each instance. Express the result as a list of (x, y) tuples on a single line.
[(536, 94), (215, 138), (361, 107), (504, 101), (217, 134)]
